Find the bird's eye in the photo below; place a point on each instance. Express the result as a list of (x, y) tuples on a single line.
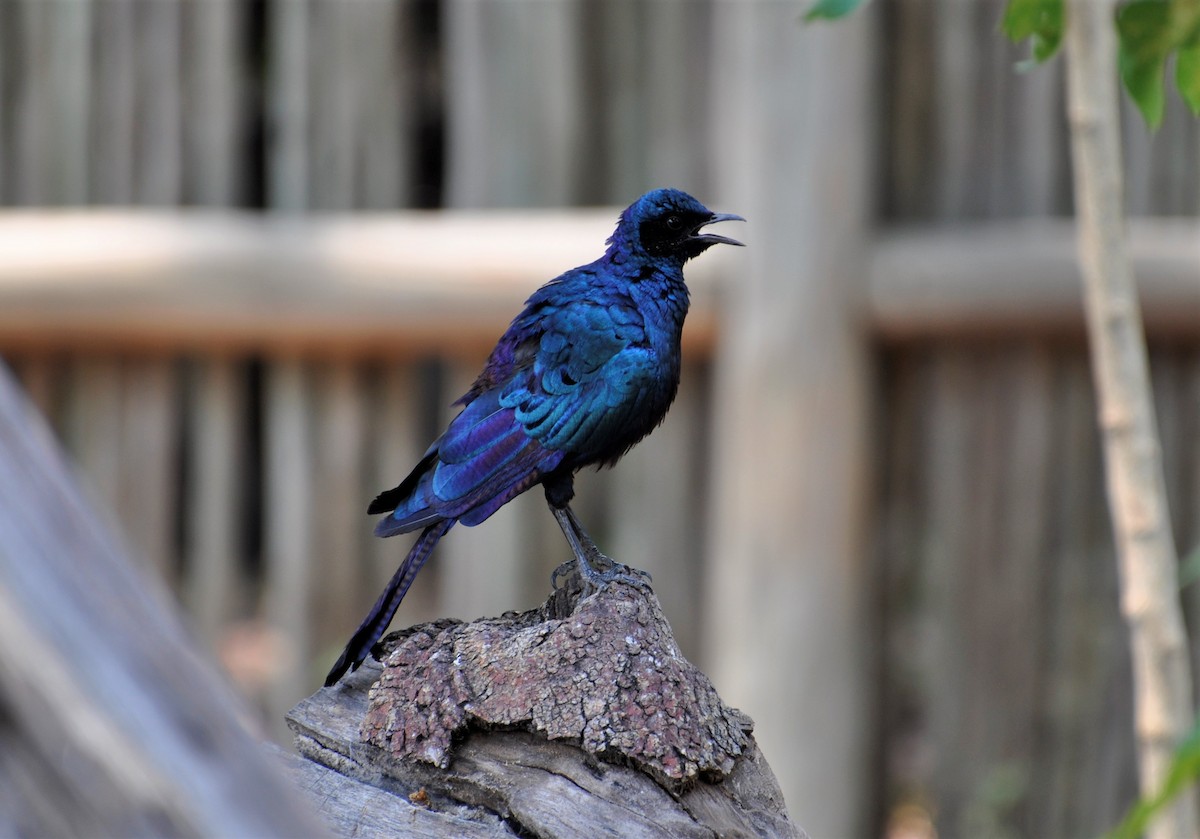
[(674, 223)]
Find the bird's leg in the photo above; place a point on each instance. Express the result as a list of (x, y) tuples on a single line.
[(595, 554), (595, 568), (591, 576)]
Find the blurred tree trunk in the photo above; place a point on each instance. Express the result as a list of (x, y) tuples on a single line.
[(1133, 458)]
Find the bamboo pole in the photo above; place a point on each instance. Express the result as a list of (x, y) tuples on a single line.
[(1133, 459)]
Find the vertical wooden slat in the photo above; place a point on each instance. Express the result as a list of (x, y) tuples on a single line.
[(8, 64), (215, 493), (53, 116), (1161, 164), (149, 429), (39, 375), (791, 396), (995, 59), (92, 427), (1037, 136), (481, 567), (656, 516), (333, 80), (969, 595), (214, 88), (114, 92), (514, 101), (1190, 544), (159, 127), (911, 88), (1137, 149), (289, 496), (974, 136), (1007, 610), (950, 485), (903, 786), (1190, 509), (996, 578), (676, 97), (1170, 414), (623, 125), (340, 526), (1086, 767), (956, 115), (359, 148), (70, 66), (1184, 177), (287, 105), (649, 109), (386, 51), (31, 113)]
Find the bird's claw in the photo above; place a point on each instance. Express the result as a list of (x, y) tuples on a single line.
[(562, 573), (646, 576), (597, 572)]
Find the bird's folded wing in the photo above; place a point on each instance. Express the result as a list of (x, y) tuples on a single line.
[(591, 375)]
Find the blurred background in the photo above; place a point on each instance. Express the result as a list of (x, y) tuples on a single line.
[(251, 251)]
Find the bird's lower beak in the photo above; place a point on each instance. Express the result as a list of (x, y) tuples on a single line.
[(716, 238)]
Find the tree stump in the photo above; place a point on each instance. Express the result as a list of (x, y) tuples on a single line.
[(577, 719)]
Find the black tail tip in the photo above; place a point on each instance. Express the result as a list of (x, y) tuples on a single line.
[(345, 664)]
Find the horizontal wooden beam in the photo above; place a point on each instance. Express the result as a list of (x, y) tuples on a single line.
[(358, 284), (1021, 277), (414, 282)]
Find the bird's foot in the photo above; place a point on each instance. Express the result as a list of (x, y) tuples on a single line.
[(599, 571)]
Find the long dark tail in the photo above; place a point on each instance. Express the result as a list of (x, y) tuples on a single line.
[(376, 622)]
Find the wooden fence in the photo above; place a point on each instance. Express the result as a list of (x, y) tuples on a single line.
[(236, 414), (236, 449), (236, 384)]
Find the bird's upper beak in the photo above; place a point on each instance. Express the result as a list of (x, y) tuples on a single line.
[(716, 238)]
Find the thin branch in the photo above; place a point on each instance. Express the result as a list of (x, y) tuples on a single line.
[(1133, 459)]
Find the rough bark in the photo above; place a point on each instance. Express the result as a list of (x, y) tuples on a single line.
[(1133, 459), (578, 719)]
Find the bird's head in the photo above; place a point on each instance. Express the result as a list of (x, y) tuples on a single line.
[(667, 223)]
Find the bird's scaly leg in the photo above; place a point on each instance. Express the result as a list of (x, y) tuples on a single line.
[(596, 569)]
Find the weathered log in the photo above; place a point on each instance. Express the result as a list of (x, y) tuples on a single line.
[(578, 719), (111, 723)]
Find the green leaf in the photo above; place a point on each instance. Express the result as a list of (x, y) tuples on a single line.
[(1183, 771), (831, 9), (1144, 30), (1149, 32), (1144, 81), (1039, 20), (1187, 76)]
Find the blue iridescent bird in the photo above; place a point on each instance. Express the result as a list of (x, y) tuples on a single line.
[(584, 372)]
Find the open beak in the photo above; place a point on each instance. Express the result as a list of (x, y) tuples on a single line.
[(716, 238)]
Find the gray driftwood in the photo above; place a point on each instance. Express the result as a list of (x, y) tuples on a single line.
[(578, 719), (111, 724)]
